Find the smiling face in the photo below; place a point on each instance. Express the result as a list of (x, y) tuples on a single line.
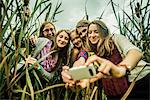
[(49, 31), (82, 31), (93, 34), (75, 39), (62, 39)]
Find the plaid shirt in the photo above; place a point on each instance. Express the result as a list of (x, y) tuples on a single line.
[(83, 54)]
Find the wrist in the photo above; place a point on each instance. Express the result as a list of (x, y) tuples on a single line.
[(39, 67), (118, 71), (127, 67)]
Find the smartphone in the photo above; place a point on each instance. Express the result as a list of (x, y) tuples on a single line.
[(82, 72)]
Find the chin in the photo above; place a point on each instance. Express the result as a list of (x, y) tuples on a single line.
[(94, 42), (61, 46)]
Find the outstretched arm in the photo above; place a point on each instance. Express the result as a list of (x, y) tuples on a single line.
[(39, 68)]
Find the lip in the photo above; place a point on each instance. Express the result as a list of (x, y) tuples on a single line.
[(78, 44), (94, 39)]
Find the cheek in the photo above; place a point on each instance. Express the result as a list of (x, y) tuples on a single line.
[(89, 36), (67, 41), (44, 34), (57, 39), (97, 36), (73, 42)]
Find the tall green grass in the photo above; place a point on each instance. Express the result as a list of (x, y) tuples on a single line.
[(135, 26), (25, 83)]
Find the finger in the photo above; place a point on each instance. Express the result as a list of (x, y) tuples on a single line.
[(107, 70), (70, 85), (66, 85), (31, 60), (91, 59), (93, 79), (65, 68), (65, 75), (66, 80), (102, 67), (99, 75)]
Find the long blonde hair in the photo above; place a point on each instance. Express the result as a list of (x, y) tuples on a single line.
[(105, 44)]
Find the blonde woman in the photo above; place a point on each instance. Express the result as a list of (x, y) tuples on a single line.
[(116, 56)]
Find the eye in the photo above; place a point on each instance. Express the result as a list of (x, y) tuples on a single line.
[(89, 32), (96, 31), (51, 29), (77, 37), (84, 30), (61, 36), (66, 38), (46, 30)]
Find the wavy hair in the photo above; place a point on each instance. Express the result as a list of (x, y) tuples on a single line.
[(105, 43)]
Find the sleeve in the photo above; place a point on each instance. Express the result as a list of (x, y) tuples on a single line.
[(123, 43), (44, 73)]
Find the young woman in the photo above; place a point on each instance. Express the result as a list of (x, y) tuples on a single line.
[(116, 56), (81, 29), (53, 55), (47, 30), (77, 47)]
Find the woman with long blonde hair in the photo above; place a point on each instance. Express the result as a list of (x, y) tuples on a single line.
[(116, 56)]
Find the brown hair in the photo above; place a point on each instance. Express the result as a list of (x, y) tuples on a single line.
[(63, 52), (42, 27), (105, 42), (62, 30), (82, 23)]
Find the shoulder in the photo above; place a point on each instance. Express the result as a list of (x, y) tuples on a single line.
[(123, 44), (75, 51)]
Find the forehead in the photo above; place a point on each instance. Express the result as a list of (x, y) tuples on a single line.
[(93, 27), (49, 25), (74, 34), (63, 33), (81, 28)]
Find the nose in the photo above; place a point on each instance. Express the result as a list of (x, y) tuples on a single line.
[(92, 33), (50, 32), (75, 40), (63, 39)]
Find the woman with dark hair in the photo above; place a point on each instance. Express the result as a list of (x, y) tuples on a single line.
[(53, 55), (47, 30)]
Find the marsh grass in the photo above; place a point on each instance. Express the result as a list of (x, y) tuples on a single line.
[(25, 83)]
